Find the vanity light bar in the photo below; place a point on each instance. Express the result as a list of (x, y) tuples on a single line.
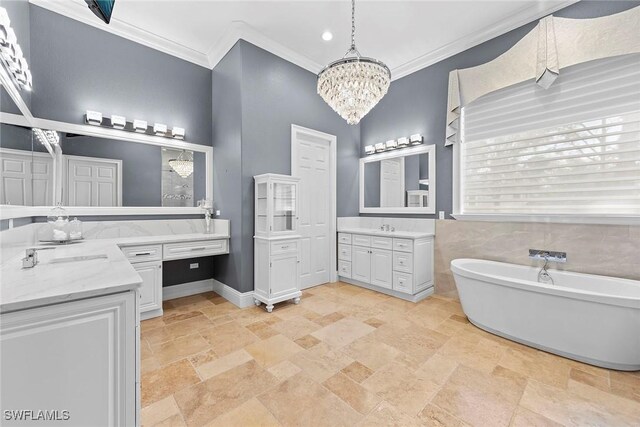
[(95, 118), (140, 126), (393, 144), (11, 53), (118, 122), (416, 139)]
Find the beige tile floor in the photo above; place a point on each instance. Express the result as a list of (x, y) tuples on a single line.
[(346, 356)]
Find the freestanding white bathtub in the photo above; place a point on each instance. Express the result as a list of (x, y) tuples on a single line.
[(593, 319)]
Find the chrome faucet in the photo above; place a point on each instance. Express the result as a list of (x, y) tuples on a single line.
[(31, 257), (547, 256), (387, 227)]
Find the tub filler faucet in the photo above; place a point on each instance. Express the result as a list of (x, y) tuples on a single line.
[(547, 256)]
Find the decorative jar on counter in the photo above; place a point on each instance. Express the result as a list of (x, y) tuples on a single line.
[(59, 222)]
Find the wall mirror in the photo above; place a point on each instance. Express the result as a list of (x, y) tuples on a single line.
[(45, 167), (96, 171), (399, 182)]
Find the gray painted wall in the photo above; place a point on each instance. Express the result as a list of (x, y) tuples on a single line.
[(77, 67), (227, 162), (271, 94), (18, 11), (7, 105), (417, 103)]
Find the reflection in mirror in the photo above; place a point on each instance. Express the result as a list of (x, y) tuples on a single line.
[(26, 171), (397, 182), (90, 171)]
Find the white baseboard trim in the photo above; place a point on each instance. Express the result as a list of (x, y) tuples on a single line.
[(413, 298), (186, 289), (239, 299)]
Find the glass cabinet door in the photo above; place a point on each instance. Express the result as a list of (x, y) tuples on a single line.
[(284, 207), (261, 208)]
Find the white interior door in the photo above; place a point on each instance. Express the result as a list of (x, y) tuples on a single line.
[(392, 182), (25, 178), (94, 182), (313, 161)]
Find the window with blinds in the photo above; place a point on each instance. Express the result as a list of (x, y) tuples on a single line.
[(571, 149)]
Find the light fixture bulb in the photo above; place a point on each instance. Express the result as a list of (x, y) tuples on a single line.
[(118, 122), (140, 125), (160, 129), (369, 149), (177, 132), (94, 117)]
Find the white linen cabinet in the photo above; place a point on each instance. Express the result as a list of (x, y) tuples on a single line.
[(276, 240)]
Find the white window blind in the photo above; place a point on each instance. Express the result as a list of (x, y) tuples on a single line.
[(571, 149)]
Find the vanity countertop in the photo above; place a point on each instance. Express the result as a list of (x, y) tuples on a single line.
[(376, 232), (51, 283)]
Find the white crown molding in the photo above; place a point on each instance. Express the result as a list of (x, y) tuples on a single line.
[(241, 30), (80, 12), (516, 20)]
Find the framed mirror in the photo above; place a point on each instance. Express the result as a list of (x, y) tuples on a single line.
[(401, 181), (97, 171)]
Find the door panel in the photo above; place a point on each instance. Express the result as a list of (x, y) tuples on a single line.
[(361, 264), (312, 166), (284, 274), (381, 268), (94, 182), (392, 182)]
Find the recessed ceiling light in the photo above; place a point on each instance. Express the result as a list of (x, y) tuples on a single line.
[(327, 36)]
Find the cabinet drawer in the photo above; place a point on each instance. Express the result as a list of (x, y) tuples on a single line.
[(403, 261), (360, 240), (195, 249), (344, 238), (403, 282), (344, 252), (344, 269), (137, 254), (284, 246), (403, 245), (381, 242)]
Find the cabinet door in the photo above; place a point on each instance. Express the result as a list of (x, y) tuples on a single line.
[(285, 207), (381, 268), (78, 356), (284, 274), (361, 264), (151, 289)]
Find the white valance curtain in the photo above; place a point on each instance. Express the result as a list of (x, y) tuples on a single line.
[(555, 43)]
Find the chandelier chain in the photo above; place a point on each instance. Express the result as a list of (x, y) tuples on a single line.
[(353, 24)]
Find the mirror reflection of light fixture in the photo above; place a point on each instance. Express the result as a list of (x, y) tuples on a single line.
[(392, 144), (380, 146), (11, 53), (94, 117), (140, 125), (159, 129), (369, 149), (183, 164), (118, 122), (46, 137), (415, 139)]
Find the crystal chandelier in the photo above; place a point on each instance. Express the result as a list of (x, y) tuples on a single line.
[(353, 85), (183, 165)]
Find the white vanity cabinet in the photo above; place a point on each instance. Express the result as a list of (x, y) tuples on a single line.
[(147, 261), (401, 267), (277, 246), (78, 356)]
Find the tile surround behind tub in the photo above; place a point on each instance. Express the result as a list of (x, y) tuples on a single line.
[(609, 250)]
